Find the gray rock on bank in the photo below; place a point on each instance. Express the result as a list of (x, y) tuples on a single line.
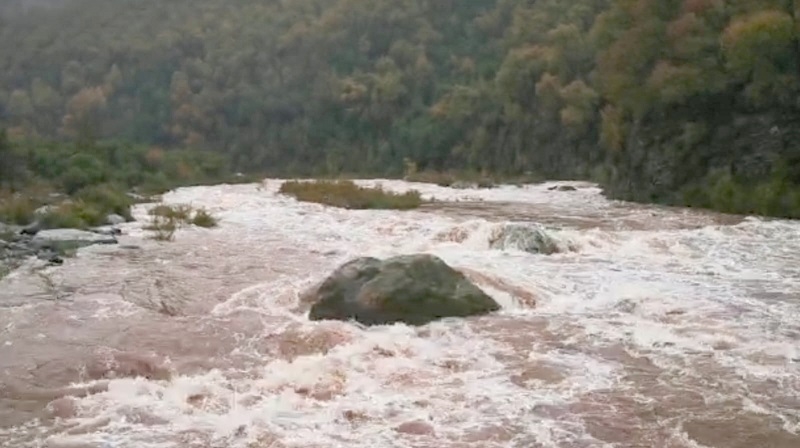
[(69, 239), (115, 220), (412, 289), (18, 244), (44, 210)]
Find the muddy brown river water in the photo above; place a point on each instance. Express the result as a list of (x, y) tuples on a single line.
[(654, 327)]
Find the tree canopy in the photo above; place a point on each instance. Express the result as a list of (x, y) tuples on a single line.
[(658, 99)]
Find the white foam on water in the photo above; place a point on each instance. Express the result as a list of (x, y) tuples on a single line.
[(673, 297), (386, 377)]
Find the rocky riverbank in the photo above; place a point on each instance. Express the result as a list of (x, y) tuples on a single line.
[(19, 244)]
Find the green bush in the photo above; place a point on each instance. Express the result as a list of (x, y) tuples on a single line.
[(84, 170), (724, 192), (163, 228), (203, 218), (107, 199), (76, 215), (97, 176), (166, 219), (179, 213), (155, 184)]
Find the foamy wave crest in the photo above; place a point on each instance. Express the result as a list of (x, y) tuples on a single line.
[(365, 391), (509, 236)]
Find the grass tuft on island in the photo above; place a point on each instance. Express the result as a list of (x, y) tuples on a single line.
[(346, 194), (166, 219)]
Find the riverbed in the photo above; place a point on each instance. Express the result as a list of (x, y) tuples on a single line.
[(652, 327)]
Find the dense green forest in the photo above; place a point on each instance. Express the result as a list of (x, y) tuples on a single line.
[(691, 102)]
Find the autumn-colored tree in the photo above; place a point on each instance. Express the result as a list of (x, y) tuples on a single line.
[(760, 50), (82, 119)]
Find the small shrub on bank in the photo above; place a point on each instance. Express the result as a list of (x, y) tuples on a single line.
[(87, 208), (179, 213), (75, 215), (203, 218), (107, 200), (346, 194), (185, 214), (166, 219), (17, 209), (162, 227)]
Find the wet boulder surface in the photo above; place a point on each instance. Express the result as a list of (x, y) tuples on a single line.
[(412, 289)]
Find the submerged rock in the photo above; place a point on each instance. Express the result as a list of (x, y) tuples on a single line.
[(51, 257), (413, 289), (563, 188), (69, 239), (462, 185), (530, 238), (46, 245), (466, 185), (107, 230)]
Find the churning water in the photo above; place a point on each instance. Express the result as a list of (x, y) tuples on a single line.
[(653, 327)]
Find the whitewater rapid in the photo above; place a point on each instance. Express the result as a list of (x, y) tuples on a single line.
[(652, 327)]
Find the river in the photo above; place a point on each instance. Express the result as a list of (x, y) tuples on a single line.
[(654, 327)]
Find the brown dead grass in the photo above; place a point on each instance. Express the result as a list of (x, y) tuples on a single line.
[(346, 194)]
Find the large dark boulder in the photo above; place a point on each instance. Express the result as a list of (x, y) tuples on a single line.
[(413, 289)]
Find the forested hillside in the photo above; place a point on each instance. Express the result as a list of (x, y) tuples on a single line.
[(680, 101), (11, 8)]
